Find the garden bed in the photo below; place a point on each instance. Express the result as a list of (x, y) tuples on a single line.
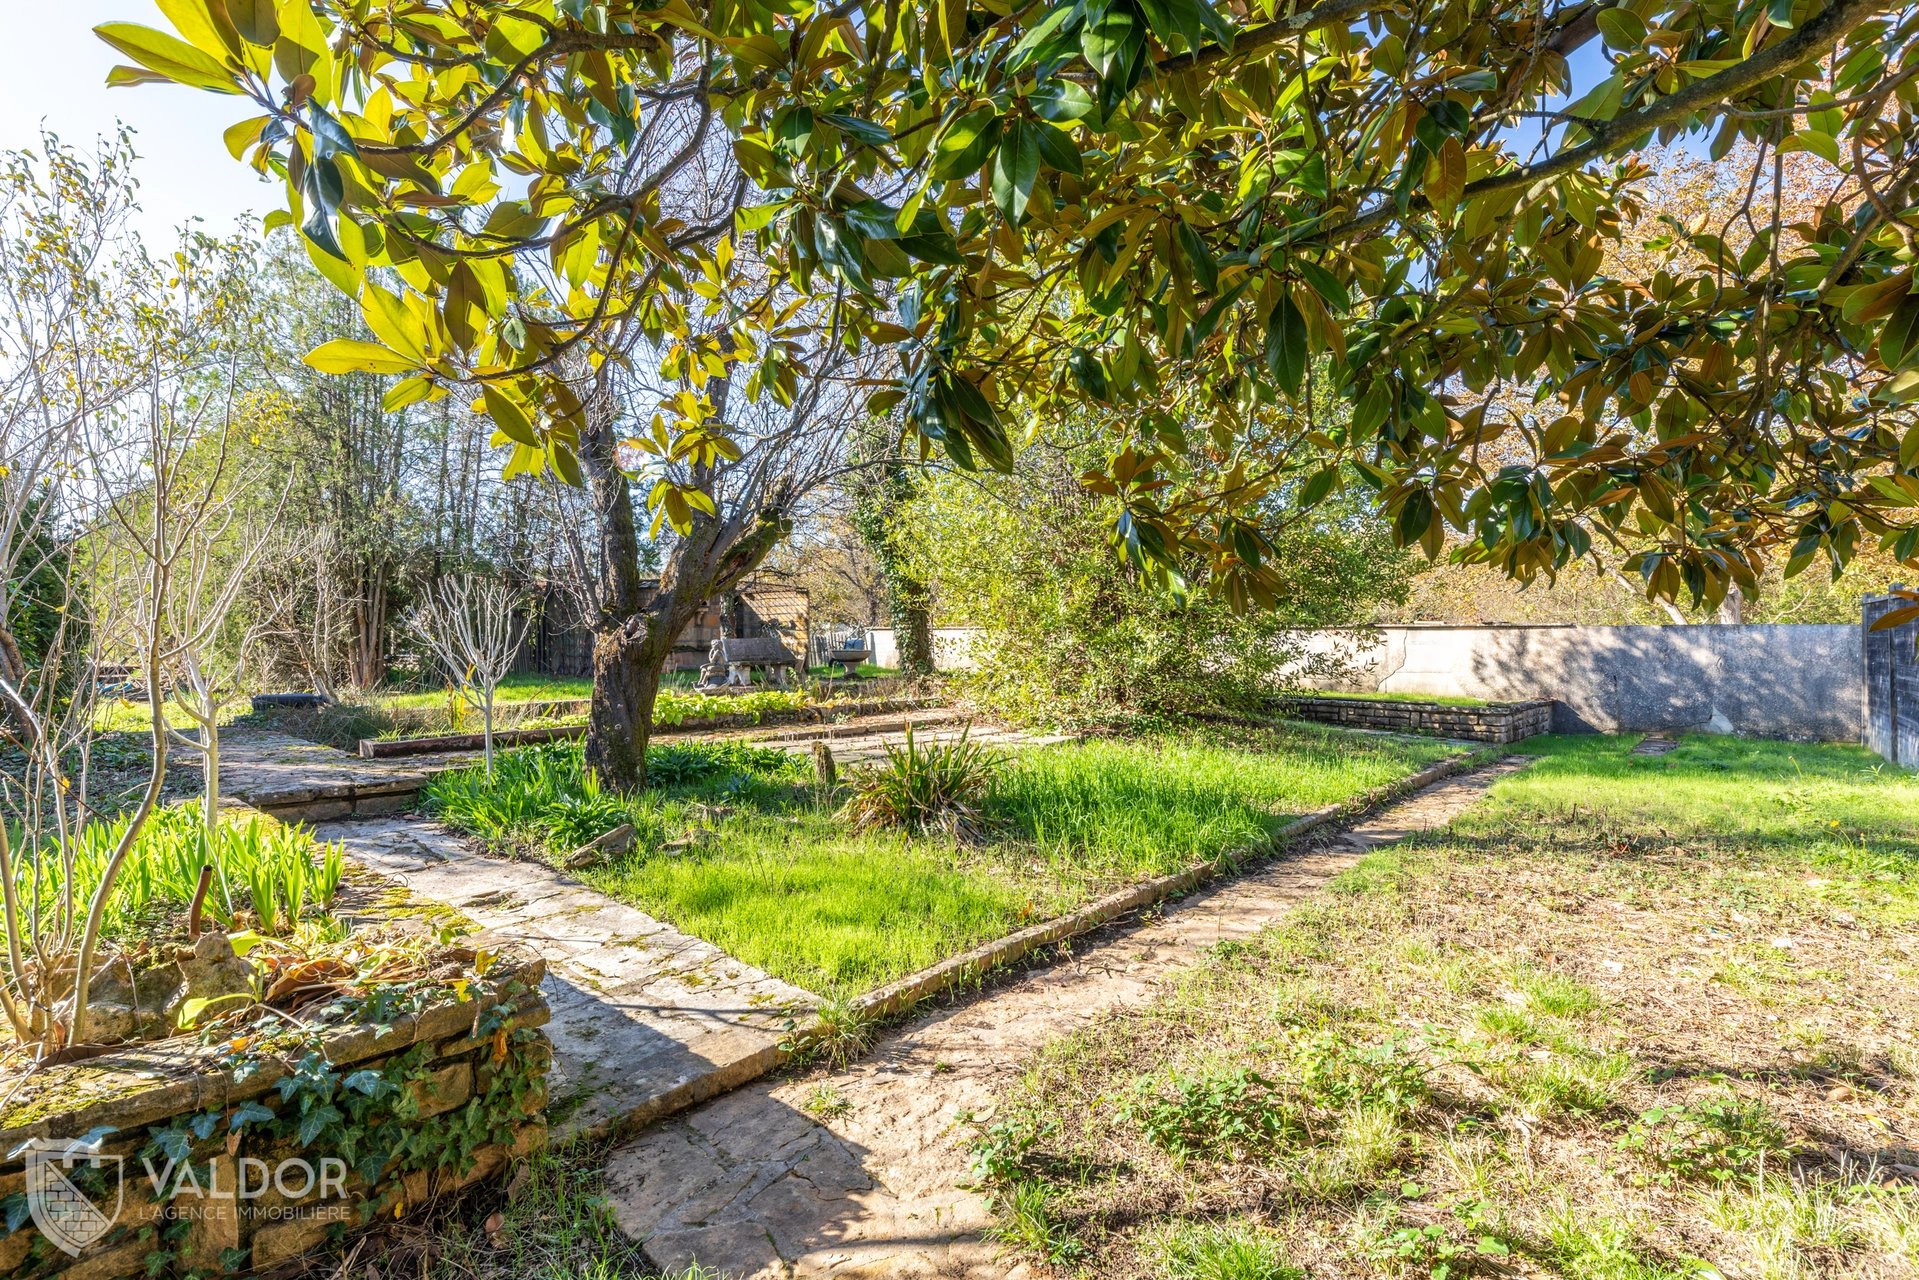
[(739, 845), (245, 1151), (694, 713), (1642, 1017), (1501, 722)]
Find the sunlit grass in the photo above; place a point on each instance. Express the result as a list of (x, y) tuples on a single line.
[(1632, 986), (751, 857)]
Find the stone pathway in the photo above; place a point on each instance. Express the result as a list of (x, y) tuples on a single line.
[(751, 1185), (646, 1020), (301, 781)]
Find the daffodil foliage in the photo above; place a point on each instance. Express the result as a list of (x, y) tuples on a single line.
[(1276, 250)]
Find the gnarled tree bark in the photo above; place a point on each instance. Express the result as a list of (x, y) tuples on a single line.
[(635, 625)]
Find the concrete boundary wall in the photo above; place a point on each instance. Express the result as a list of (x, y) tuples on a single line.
[(1766, 681), (952, 647)]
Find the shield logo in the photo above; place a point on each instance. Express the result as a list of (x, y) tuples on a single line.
[(72, 1218)]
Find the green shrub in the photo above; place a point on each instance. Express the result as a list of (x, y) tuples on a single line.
[(932, 786), (673, 708), (1069, 632)]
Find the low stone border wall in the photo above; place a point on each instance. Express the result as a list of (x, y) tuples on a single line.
[(1500, 722), (969, 965), (212, 1161), (383, 748), (324, 802)]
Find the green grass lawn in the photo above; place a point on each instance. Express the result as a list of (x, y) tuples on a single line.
[(513, 689), (747, 854), (1630, 1018)]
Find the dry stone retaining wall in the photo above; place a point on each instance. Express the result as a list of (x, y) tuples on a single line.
[(464, 1083), (1503, 722)]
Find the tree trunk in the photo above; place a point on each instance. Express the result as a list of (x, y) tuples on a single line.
[(626, 683), (906, 604), (634, 628)]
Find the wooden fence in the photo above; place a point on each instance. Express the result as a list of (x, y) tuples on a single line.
[(1892, 684)]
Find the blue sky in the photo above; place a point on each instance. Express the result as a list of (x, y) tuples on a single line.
[(54, 69)]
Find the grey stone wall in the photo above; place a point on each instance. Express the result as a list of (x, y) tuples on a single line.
[(1506, 722), (137, 1092), (1770, 681)]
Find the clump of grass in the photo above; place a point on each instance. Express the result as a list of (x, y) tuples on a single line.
[(273, 870), (925, 786), (1027, 1221), (840, 1032), (1220, 1251)]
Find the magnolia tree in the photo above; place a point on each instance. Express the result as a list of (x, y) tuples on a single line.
[(1324, 238), (473, 627)]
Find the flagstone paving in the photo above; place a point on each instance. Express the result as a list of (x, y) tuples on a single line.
[(752, 1185), (646, 1020)]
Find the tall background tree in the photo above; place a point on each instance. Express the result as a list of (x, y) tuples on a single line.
[(882, 495)]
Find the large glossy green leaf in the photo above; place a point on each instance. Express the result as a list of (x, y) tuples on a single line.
[(168, 56), (350, 355), (1016, 167)]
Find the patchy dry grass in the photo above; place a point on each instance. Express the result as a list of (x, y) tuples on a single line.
[(1632, 1018)]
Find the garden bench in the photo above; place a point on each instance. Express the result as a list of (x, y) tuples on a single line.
[(730, 662)]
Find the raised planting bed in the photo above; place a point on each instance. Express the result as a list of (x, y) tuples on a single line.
[(1499, 722), (254, 1146), (817, 713)]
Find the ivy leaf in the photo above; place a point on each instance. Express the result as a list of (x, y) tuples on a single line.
[(370, 1083), (174, 1144), (315, 1123)]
